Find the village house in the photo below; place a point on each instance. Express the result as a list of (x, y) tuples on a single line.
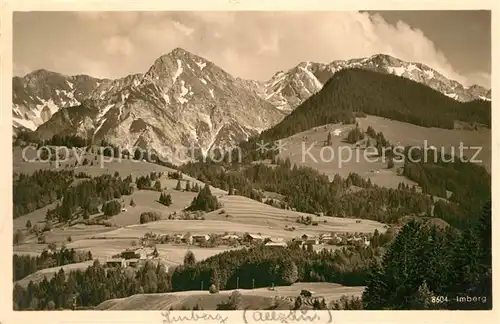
[(132, 263), (200, 238), (311, 241), (326, 239), (144, 253), (188, 239), (116, 263), (336, 239), (275, 244), (255, 238), (229, 237), (177, 238), (358, 241), (305, 237)]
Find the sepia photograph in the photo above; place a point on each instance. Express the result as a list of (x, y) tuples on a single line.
[(251, 160)]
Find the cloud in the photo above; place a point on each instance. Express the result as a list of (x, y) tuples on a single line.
[(252, 45), (186, 30), (481, 78), (119, 45)]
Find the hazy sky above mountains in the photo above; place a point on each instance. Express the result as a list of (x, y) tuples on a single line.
[(251, 45)]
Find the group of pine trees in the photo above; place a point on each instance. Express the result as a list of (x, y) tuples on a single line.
[(111, 208), (165, 199), (205, 201), (90, 287), (42, 187), (146, 182), (147, 217), (24, 265), (87, 195)]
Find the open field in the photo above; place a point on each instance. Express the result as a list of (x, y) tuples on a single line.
[(409, 134), (147, 201), (103, 249), (243, 215), (247, 215), (347, 158), (252, 298)]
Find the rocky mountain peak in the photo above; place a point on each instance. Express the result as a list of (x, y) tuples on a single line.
[(182, 100)]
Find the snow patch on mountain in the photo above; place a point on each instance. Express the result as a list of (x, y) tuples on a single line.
[(184, 91), (452, 95), (312, 76), (399, 71), (429, 74), (26, 123), (201, 65), (166, 97), (178, 72)]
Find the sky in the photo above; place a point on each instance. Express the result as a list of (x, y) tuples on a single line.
[(251, 45)]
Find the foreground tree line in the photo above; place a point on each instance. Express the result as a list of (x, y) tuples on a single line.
[(90, 287), (428, 269)]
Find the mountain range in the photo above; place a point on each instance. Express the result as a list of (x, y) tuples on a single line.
[(184, 100), (287, 90)]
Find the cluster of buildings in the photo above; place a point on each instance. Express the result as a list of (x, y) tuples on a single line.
[(192, 238), (343, 239), (306, 239), (131, 258), (335, 238)]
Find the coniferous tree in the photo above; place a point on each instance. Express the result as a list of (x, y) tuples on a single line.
[(390, 163), (189, 259), (157, 186), (204, 201)]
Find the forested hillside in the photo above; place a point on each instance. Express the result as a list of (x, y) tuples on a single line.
[(354, 91)]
